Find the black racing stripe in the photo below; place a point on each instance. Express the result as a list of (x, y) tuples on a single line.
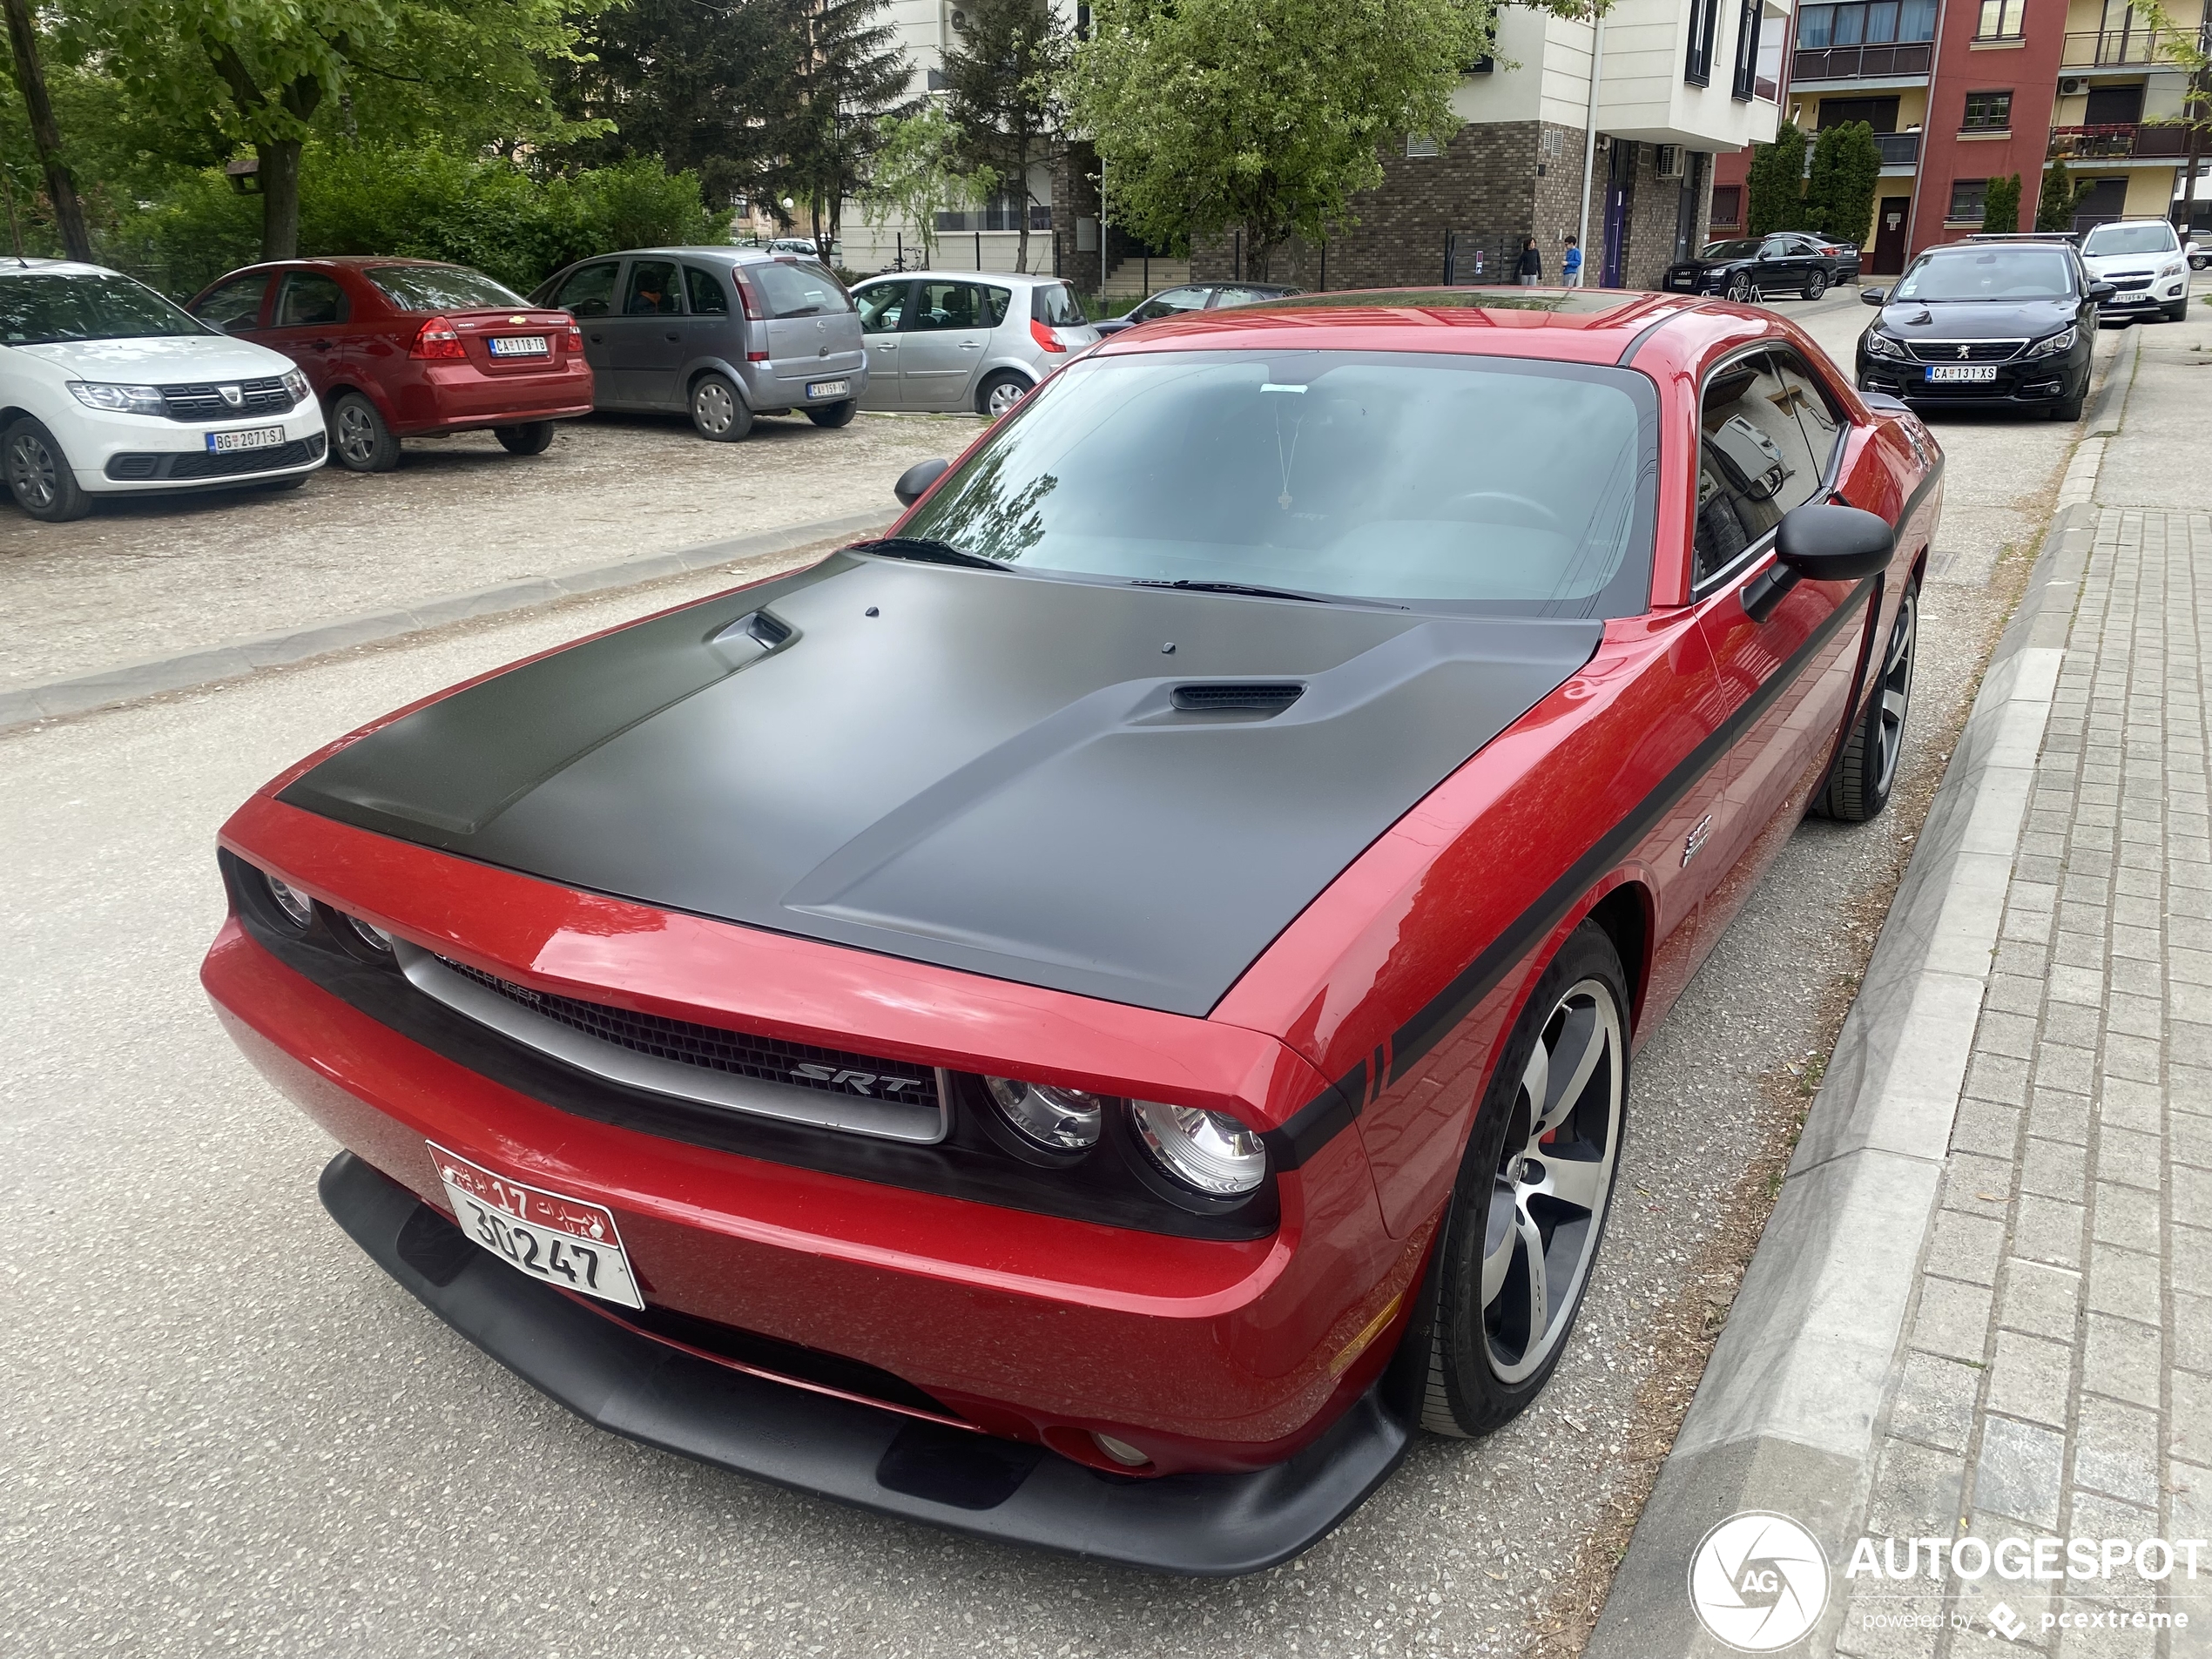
[(1316, 1122), (1646, 332), (1444, 1011)]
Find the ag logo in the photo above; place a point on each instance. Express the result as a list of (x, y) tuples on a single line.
[(1758, 1582)]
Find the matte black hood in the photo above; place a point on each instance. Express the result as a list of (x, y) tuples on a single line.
[(1976, 319), (984, 770)]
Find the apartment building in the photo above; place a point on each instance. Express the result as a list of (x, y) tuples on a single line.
[(1962, 91)]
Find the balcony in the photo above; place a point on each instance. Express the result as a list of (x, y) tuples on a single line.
[(2121, 49), (2122, 141), (1861, 62), (1899, 149)]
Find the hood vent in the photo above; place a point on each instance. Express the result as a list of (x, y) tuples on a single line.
[(1260, 698), (751, 637)]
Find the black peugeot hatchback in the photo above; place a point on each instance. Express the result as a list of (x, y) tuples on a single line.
[(1986, 325)]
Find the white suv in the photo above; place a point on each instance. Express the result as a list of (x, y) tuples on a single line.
[(108, 389), (2142, 259)]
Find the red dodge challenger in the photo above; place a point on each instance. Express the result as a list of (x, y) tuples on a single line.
[(1089, 1020)]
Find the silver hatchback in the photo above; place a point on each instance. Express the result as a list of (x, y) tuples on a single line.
[(954, 341), (723, 334)]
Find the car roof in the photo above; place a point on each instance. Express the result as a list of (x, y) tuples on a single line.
[(1578, 325), (1015, 279), (52, 267)]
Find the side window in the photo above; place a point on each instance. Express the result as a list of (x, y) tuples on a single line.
[(992, 306), (883, 308), (1759, 425), (236, 306), (1166, 304), (589, 290), (309, 298), (652, 291), (947, 305), (705, 292), (1819, 428)]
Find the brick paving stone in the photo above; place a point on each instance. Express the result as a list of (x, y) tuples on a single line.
[(2042, 1300), (2030, 1378)]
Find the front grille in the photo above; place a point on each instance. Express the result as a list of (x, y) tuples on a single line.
[(199, 463), (715, 1049), (205, 401), (1964, 351), (2125, 283)]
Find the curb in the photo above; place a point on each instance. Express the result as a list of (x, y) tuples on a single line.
[(128, 682), (1783, 1418)]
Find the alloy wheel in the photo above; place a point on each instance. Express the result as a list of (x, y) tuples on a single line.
[(1897, 686), (1554, 1174), (1002, 397), (31, 472), (713, 408), (1741, 290), (356, 434), (1816, 285)]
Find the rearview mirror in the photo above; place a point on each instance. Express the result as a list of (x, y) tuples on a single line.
[(914, 483), (2099, 291), (1873, 296), (1826, 543)]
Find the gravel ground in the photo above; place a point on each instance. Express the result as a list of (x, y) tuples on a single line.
[(148, 577), (227, 1429)]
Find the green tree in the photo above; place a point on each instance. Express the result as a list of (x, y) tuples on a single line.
[(2000, 206), (2190, 50), (1775, 190), (2061, 196), (1839, 197), (1003, 81), (30, 78), (1265, 116), (918, 174), (848, 73)]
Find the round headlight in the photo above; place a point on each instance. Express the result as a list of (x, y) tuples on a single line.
[(374, 937), (1059, 1120), (295, 903), (1205, 1152)]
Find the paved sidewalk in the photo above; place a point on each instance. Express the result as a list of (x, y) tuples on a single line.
[(2058, 1372)]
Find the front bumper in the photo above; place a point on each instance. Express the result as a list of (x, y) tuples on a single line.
[(2028, 385), (117, 453), (2157, 296), (621, 1379)]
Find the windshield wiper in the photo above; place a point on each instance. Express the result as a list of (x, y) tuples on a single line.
[(923, 550), (1248, 588)]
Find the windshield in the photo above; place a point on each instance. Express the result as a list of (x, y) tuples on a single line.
[(38, 307), (1738, 250), (2131, 239), (1472, 482), (442, 287), (2008, 273)]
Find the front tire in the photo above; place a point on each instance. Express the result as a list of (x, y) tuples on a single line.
[(1742, 290), (531, 438), (834, 414), (1514, 1259), (39, 475), (718, 414), (999, 394), (1816, 285), (359, 437), (1866, 772)]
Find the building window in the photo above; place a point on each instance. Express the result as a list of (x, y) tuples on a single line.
[(1001, 213), (2000, 20), (1877, 23), (1420, 144), (1727, 205), (1697, 67), (1988, 113), (1747, 51), (1966, 200)]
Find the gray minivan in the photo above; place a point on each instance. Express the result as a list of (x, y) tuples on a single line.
[(723, 334)]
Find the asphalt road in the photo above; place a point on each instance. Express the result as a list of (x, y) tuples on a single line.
[(226, 1430)]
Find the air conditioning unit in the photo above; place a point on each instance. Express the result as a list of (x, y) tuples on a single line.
[(960, 20), (1670, 160), (2072, 87)]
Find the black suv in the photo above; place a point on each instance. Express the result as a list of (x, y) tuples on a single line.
[(1986, 325)]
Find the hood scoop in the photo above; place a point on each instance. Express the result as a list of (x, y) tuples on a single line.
[(1244, 697)]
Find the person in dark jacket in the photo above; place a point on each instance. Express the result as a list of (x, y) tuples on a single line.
[(1530, 266)]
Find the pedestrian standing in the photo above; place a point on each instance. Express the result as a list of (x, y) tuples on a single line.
[(1531, 267), (1571, 264)]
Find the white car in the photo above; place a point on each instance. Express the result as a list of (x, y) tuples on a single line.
[(2200, 253), (110, 390), (2142, 259)]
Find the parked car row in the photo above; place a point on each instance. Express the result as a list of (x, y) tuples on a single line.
[(1752, 268)]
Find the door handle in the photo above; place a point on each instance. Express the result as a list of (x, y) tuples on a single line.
[(885, 344), (971, 345), (675, 336), (318, 345)]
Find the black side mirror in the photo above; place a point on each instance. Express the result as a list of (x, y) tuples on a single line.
[(914, 483), (1826, 543), (2099, 291), (1873, 296)]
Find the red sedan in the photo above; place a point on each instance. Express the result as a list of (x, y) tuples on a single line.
[(1091, 1019), (409, 348)]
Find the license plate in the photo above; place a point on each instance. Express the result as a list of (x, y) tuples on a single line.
[(1960, 373), (257, 437), (517, 345), (829, 389), (563, 1241)]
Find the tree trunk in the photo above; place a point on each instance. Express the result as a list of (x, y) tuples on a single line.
[(280, 176), (61, 188)]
